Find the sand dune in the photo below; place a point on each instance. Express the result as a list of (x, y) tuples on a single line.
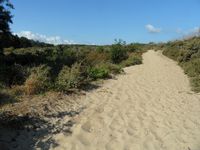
[(151, 107)]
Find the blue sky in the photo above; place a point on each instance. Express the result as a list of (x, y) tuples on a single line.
[(101, 21)]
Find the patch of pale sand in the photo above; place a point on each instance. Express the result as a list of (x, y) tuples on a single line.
[(149, 108)]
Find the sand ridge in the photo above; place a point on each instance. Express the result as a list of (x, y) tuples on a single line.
[(151, 107)]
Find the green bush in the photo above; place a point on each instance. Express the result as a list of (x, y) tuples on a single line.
[(17, 90), (192, 68), (100, 49), (69, 78), (196, 83), (94, 58), (133, 47), (113, 68), (186, 56), (98, 72), (118, 53), (38, 69), (132, 60), (38, 81), (172, 53), (19, 74)]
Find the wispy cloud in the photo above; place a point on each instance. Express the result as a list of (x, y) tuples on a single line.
[(195, 31), (151, 29), (189, 33), (43, 38)]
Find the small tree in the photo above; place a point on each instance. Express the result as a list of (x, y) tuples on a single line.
[(118, 52)]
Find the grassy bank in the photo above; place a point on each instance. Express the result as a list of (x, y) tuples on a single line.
[(187, 53)]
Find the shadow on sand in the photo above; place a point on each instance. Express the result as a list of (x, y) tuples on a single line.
[(29, 133)]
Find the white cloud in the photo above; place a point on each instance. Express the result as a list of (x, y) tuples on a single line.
[(189, 33), (195, 31), (43, 38), (151, 29)]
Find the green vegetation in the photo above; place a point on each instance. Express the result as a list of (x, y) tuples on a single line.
[(28, 67), (38, 80), (69, 78), (35, 70), (187, 53), (132, 60), (99, 72), (118, 53)]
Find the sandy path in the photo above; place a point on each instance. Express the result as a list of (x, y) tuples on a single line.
[(149, 108)]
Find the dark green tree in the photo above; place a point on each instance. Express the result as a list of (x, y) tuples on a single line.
[(5, 20), (118, 51)]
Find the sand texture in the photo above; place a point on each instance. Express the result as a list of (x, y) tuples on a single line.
[(151, 107)]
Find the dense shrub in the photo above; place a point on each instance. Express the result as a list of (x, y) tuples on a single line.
[(172, 53), (93, 58), (133, 47), (12, 75), (38, 81), (196, 83), (192, 68), (98, 72), (132, 60), (17, 90), (18, 73), (35, 70), (100, 49), (113, 68), (118, 53), (69, 78)]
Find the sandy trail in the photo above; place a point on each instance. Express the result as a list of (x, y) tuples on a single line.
[(149, 108)]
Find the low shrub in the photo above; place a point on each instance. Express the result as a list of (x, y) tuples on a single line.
[(196, 83), (114, 69), (35, 70), (98, 72), (69, 78), (38, 81), (192, 68), (132, 60), (185, 56), (171, 53), (93, 58), (19, 74), (17, 90), (133, 47)]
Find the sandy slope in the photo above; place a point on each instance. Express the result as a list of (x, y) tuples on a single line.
[(149, 108)]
